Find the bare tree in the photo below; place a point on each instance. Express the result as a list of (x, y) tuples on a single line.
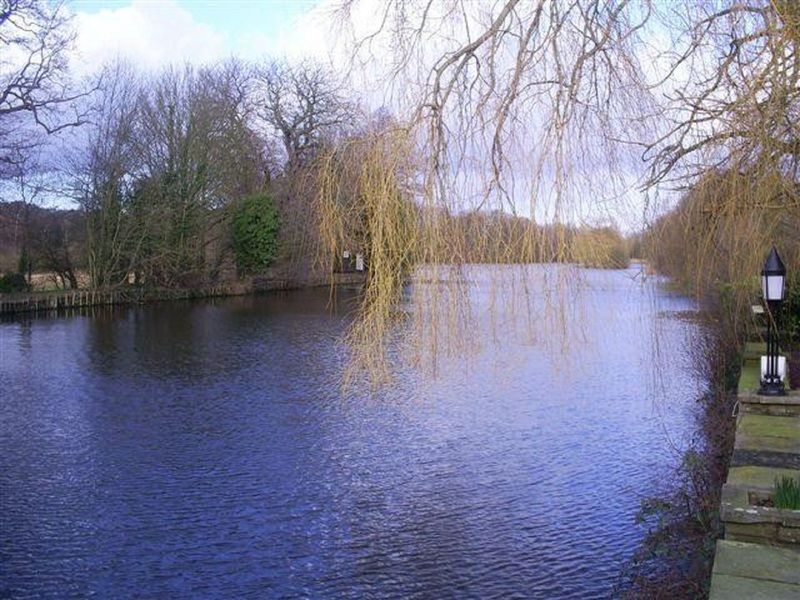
[(198, 155), (516, 105), (102, 170), (36, 94), (564, 92), (301, 105), (55, 241), (739, 109), (159, 170), (22, 187)]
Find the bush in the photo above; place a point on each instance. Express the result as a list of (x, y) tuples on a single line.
[(791, 313), (255, 233), (13, 282)]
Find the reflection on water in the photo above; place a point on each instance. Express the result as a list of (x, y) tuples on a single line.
[(204, 450)]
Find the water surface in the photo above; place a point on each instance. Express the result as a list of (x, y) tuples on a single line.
[(204, 450)]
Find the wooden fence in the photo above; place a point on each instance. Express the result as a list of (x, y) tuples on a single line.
[(35, 302), (76, 299)]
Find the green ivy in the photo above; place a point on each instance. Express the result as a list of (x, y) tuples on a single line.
[(255, 233)]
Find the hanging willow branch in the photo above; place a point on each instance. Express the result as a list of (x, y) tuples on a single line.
[(543, 119)]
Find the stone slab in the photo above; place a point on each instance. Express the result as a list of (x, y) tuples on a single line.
[(755, 561), (767, 534), (730, 587), (756, 477), (769, 426), (792, 398), (781, 406), (763, 443), (761, 514), (765, 458)]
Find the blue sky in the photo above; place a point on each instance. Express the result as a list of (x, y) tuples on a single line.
[(231, 17), (154, 32)]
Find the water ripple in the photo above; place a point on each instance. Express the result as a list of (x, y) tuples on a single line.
[(201, 450)]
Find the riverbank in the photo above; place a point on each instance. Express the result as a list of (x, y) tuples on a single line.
[(69, 299), (759, 556)]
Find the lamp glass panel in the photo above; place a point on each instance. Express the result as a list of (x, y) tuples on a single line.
[(772, 287)]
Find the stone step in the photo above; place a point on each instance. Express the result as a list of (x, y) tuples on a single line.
[(778, 406), (765, 458), (760, 557), (767, 441), (755, 561), (752, 571), (769, 426), (757, 478), (768, 433), (730, 587)]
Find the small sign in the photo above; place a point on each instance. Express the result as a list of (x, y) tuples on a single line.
[(359, 262), (758, 309), (346, 254)]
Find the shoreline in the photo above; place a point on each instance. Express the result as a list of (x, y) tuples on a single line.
[(38, 302)]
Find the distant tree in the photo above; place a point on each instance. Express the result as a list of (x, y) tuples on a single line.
[(102, 170), (52, 246), (157, 171), (302, 105), (12, 282), (24, 189), (198, 154), (599, 248)]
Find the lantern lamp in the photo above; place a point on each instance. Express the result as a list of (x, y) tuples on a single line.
[(773, 280), (773, 277)]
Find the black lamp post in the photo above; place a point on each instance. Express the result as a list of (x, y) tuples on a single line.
[(773, 280)]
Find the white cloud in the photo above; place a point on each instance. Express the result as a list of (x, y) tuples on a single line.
[(309, 35), (149, 34)]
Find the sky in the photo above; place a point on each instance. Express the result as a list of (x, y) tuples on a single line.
[(152, 33)]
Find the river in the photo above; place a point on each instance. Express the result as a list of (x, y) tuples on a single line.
[(206, 449)]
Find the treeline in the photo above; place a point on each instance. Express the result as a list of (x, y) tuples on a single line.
[(195, 175), (166, 164), (177, 178), (497, 237), (49, 239)]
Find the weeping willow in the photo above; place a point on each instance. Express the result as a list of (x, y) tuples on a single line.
[(529, 130)]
